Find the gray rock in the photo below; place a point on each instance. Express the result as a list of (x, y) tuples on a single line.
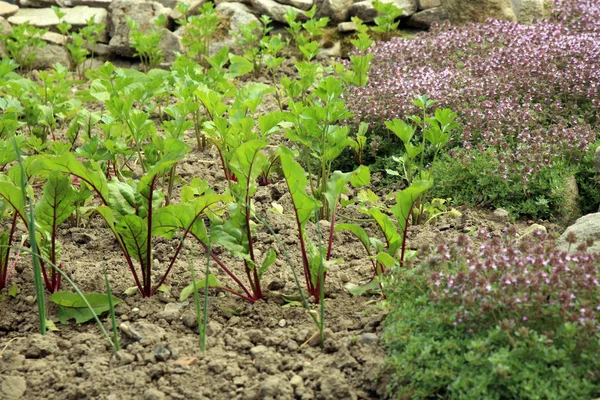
[(336, 10), (12, 387), (527, 11), (8, 10), (533, 229), (238, 15), (465, 11), (424, 19), (276, 11), (501, 215), (161, 353), (366, 12), (144, 13), (368, 338), (276, 387), (45, 17), (122, 357), (154, 394), (586, 227), (64, 3), (427, 4), (299, 4)]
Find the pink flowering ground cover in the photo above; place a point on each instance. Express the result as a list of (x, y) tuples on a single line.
[(527, 96)]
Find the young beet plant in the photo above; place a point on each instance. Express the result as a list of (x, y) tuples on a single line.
[(393, 225), (131, 210), (56, 204), (236, 233), (305, 206)]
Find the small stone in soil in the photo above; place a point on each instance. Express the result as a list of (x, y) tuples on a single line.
[(282, 323), (122, 357), (368, 338), (153, 394), (161, 353), (13, 387)]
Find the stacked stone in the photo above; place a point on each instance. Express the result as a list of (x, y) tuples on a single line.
[(114, 40)]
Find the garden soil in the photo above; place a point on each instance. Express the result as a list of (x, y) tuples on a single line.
[(266, 350)]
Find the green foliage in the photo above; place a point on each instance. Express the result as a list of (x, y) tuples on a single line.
[(461, 332), (478, 183), (198, 30), (385, 23), (146, 42), (72, 306), (23, 43)]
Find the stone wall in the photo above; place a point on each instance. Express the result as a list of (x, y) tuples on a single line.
[(419, 14)]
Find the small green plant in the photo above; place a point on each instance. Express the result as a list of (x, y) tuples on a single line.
[(199, 30), (146, 42), (386, 22), (23, 43), (305, 35), (314, 257)]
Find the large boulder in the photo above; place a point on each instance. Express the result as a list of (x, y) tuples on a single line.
[(336, 10), (367, 13), (527, 11), (465, 11), (425, 18), (586, 227), (144, 13)]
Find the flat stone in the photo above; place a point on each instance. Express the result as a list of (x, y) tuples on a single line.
[(346, 27), (300, 4), (427, 4), (8, 10), (64, 3), (45, 18)]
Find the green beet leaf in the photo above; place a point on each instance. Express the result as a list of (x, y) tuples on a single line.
[(72, 306), (189, 290), (57, 202)]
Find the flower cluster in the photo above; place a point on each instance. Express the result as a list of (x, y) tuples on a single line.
[(514, 281), (529, 92)]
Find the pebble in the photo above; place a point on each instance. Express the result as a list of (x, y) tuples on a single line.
[(368, 338), (282, 323), (153, 394), (13, 387), (256, 350), (161, 353)]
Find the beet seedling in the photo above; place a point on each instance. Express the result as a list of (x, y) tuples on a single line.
[(393, 225), (316, 257)]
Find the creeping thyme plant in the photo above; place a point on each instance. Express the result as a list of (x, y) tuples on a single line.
[(527, 97)]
